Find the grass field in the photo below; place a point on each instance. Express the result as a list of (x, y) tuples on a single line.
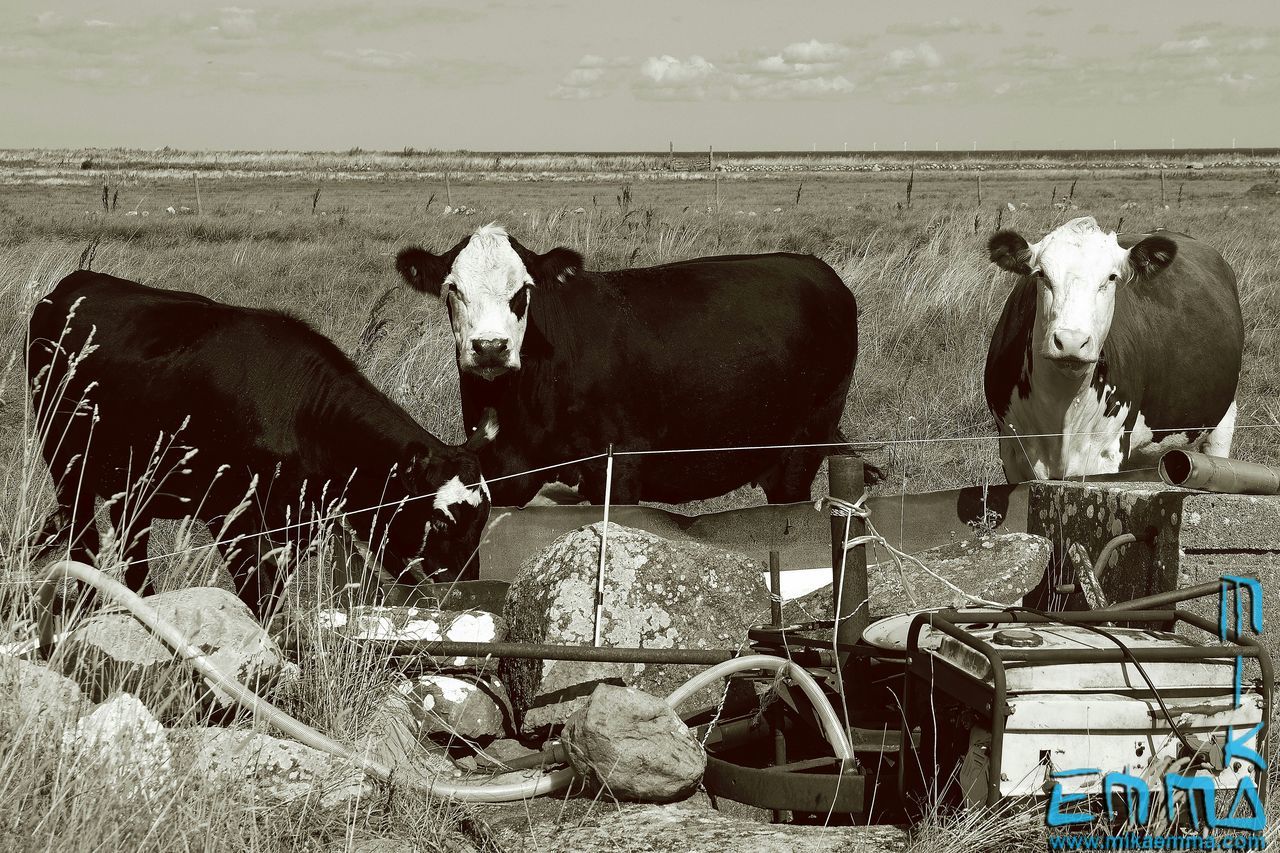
[(316, 235)]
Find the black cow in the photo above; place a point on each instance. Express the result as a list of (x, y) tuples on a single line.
[(715, 352), (1112, 349), (176, 406)]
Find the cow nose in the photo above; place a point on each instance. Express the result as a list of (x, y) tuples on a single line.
[(489, 346), (1071, 343)]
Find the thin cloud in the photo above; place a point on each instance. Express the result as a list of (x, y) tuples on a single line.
[(1187, 46), (951, 26), (922, 54), (372, 58)]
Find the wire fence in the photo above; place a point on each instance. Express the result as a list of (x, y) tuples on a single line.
[(396, 505)]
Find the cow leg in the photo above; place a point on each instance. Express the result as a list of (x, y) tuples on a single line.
[(133, 550), (791, 480), (253, 569), (1218, 441)]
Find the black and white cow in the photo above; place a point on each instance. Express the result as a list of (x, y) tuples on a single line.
[(1110, 350), (171, 405), (715, 352)]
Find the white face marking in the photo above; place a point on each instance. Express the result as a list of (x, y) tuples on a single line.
[(486, 276), (1078, 266), (453, 492)]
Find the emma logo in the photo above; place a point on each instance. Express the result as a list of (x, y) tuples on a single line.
[(1201, 792)]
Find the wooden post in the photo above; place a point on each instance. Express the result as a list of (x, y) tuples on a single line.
[(979, 189), (448, 190), (199, 206), (775, 589), (849, 586), (711, 158), (671, 155), (1162, 186)]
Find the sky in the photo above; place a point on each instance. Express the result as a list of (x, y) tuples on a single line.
[(606, 75)]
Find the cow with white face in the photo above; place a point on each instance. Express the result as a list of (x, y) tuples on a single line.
[(1110, 350), (747, 351)]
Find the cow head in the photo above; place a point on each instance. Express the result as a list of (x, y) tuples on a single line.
[(488, 281), (449, 504), (1077, 268)]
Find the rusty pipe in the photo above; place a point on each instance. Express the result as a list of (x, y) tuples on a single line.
[(1218, 474)]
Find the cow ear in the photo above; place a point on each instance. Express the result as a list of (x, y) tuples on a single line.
[(558, 266), (421, 270), (1152, 255), (1010, 251)]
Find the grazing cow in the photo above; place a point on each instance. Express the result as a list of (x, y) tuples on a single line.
[(737, 351), (1110, 350), (172, 405)]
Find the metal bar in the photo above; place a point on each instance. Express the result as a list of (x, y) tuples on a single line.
[(547, 651), (1164, 599), (604, 547), (1142, 655), (775, 589)]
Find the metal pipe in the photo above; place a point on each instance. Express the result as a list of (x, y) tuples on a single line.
[(548, 651), (1218, 474)]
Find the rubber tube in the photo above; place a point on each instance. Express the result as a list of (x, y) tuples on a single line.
[(832, 730)]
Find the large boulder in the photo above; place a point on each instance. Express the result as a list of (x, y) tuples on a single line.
[(113, 652), (634, 747), (121, 747), (999, 567), (34, 699), (275, 770), (658, 594)]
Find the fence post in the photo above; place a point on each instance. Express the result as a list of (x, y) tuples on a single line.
[(604, 547), (849, 568)]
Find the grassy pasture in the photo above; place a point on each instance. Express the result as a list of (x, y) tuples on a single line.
[(927, 294)]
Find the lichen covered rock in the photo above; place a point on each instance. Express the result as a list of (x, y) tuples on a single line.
[(658, 594)]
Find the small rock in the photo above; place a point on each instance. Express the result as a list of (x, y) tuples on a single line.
[(113, 651), (36, 699), (280, 771), (502, 751), (122, 747), (658, 594), (393, 737), (471, 708), (1001, 567), (634, 746)]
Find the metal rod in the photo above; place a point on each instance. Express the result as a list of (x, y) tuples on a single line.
[(775, 589), (548, 651), (604, 547)]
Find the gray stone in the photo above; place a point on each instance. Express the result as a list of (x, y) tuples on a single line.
[(634, 746), (393, 737), (474, 708), (1000, 567), (122, 747), (113, 651), (278, 771), (502, 751), (686, 828), (36, 700), (658, 594)]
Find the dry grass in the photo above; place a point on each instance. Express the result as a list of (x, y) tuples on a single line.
[(927, 294)]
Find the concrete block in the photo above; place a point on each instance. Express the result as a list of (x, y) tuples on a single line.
[(1198, 537)]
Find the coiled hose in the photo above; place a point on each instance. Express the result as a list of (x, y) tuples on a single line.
[(499, 789)]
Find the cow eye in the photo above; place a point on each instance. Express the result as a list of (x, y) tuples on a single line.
[(520, 302), (1112, 277)]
